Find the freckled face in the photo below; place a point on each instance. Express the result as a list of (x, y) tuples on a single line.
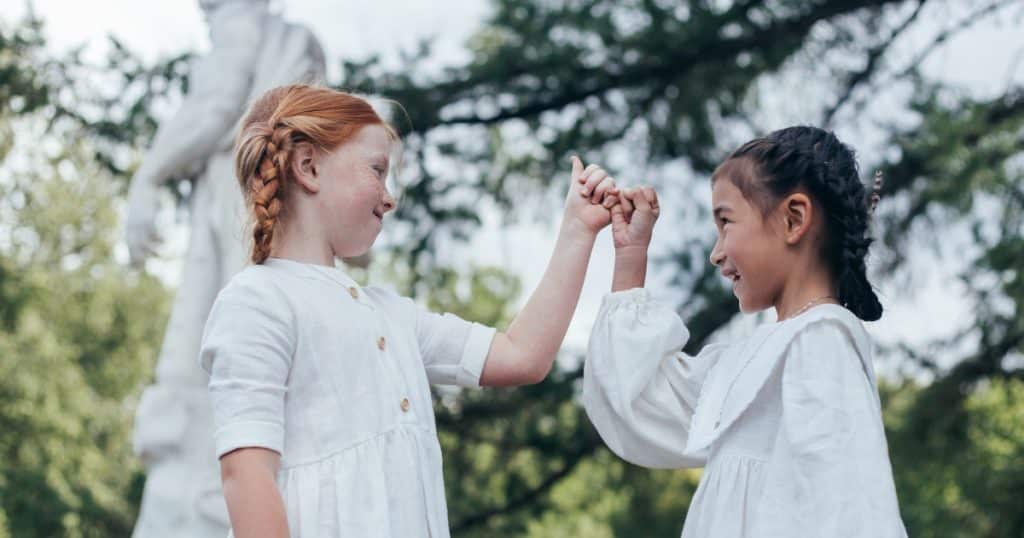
[(353, 197)]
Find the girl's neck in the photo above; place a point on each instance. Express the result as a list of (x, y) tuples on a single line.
[(302, 242), (804, 291)]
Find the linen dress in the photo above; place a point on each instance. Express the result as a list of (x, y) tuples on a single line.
[(335, 377), (786, 422)]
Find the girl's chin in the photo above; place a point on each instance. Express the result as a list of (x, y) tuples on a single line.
[(353, 253), (736, 292), (361, 260), (747, 305)]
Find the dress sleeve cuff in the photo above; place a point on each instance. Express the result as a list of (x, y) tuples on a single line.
[(474, 355), (250, 434), (637, 296)]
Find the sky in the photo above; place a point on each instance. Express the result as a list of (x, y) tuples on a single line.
[(983, 61)]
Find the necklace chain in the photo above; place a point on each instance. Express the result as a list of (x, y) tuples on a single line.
[(811, 303)]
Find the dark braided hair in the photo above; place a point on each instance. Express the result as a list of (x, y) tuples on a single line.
[(770, 168)]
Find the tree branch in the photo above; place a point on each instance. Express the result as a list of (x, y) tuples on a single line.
[(943, 36), (672, 64), (874, 55)]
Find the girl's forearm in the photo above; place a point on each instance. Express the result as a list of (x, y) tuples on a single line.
[(255, 506), (539, 328)]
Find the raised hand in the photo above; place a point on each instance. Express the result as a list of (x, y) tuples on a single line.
[(633, 221), (524, 353), (633, 217), (592, 193)]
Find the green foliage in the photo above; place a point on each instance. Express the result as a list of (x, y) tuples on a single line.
[(959, 169), (960, 488), (21, 87), (79, 336), (78, 332)]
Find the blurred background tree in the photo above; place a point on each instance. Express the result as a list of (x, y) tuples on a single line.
[(78, 331), (657, 91)]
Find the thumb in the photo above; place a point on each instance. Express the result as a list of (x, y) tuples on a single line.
[(577, 168)]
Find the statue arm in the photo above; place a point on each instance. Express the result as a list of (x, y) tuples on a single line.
[(222, 82)]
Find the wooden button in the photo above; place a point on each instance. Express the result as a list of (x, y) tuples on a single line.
[(381, 343), (404, 404), (353, 292)]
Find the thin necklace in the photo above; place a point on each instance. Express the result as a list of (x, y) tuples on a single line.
[(804, 308)]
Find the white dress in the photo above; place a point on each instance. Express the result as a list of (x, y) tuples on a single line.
[(786, 422), (335, 377)]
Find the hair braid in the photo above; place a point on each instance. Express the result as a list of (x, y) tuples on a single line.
[(848, 208), (266, 192)]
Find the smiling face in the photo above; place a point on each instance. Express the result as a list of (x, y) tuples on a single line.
[(749, 252), (353, 196)]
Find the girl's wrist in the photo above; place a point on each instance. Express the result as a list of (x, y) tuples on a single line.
[(627, 280), (631, 254), (630, 269), (575, 230)]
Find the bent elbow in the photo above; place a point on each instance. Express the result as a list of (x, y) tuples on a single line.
[(538, 373)]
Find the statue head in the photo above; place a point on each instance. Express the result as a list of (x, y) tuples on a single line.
[(210, 6)]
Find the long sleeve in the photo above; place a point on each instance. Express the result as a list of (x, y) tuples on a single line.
[(639, 390), (829, 472), (247, 349)]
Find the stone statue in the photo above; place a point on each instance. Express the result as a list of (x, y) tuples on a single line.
[(251, 51)]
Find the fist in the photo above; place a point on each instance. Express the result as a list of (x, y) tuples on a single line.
[(140, 225), (633, 217)]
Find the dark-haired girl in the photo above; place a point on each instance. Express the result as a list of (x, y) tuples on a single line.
[(787, 421)]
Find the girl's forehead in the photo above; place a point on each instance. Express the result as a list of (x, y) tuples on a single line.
[(724, 190), (373, 137), (725, 195), (367, 143)]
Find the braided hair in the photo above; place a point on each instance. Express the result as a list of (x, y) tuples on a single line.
[(276, 122), (815, 160)]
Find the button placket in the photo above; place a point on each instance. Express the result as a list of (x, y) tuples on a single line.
[(400, 384)]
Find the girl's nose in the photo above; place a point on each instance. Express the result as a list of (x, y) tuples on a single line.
[(717, 256), (389, 202)]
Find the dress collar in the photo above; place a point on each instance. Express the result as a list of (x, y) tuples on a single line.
[(735, 380), (312, 270)]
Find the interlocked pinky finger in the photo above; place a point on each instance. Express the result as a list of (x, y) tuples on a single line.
[(602, 189), (587, 171), (594, 179)]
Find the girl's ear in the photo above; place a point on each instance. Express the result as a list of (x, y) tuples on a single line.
[(305, 160), (797, 212)]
